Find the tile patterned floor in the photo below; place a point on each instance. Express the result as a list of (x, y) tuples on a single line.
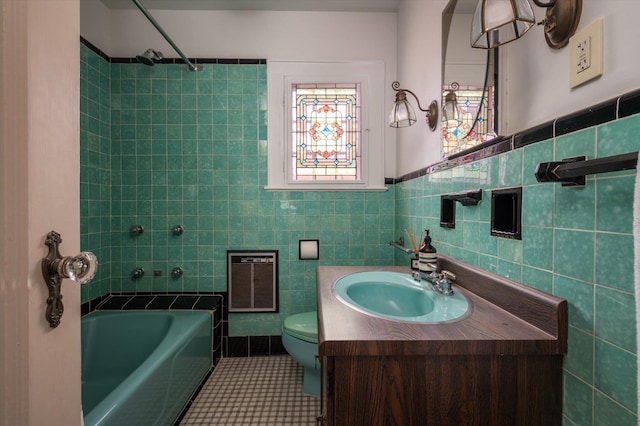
[(254, 391)]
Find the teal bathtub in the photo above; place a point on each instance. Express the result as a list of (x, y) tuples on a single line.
[(141, 367)]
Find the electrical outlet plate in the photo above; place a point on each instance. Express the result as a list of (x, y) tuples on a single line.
[(585, 54)]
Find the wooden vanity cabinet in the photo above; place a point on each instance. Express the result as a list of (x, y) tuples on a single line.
[(499, 365), (443, 390)]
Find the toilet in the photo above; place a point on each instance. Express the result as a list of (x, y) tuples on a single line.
[(300, 339)]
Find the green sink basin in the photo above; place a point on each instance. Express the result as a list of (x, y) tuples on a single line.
[(398, 296)]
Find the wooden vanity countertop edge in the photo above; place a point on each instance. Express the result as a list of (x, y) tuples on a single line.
[(505, 318)]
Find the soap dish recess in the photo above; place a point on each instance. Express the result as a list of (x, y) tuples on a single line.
[(506, 213)]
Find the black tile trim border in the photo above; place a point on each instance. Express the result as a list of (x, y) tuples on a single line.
[(94, 48), (221, 61), (150, 300), (535, 134), (592, 116), (629, 104), (613, 109)]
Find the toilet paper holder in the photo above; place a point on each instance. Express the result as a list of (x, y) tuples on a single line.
[(308, 249)]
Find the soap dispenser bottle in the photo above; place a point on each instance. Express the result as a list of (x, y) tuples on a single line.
[(427, 254)]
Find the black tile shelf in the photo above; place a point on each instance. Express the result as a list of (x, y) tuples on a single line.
[(162, 301), (115, 302), (138, 302)]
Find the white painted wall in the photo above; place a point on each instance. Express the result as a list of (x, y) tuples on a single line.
[(536, 77), (95, 24), (39, 192), (419, 70), (318, 36), (463, 63)]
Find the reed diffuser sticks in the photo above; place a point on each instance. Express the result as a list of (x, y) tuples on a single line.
[(412, 240)]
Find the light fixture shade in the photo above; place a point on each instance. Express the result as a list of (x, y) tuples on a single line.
[(450, 111), (402, 114), (496, 22)]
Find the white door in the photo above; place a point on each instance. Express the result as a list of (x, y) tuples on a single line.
[(39, 192)]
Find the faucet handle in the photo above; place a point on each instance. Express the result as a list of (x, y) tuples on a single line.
[(444, 283), (448, 275)]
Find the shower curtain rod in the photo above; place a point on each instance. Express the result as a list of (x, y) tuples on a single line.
[(190, 66)]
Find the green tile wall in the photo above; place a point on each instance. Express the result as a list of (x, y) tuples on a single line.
[(95, 167), (190, 148), (576, 243), (161, 146)]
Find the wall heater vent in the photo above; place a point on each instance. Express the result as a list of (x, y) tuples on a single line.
[(252, 280)]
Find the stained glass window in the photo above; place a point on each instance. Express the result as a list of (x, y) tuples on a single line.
[(457, 137), (326, 142)]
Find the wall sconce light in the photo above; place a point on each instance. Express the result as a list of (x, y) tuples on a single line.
[(496, 22), (403, 115), (451, 115)]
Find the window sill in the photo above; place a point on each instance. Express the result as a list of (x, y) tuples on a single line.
[(326, 188)]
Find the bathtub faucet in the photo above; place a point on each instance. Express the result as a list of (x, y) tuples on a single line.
[(438, 281)]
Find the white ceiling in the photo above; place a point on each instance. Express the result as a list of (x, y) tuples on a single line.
[(289, 5), (463, 6)]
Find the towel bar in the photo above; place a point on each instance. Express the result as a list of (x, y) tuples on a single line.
[(572, 171)]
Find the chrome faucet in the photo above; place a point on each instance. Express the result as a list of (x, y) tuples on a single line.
[(443, 284), (438, 281)]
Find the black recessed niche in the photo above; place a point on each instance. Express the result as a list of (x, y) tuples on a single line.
[(506, 213), (447, 212)]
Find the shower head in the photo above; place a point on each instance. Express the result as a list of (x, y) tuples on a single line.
[(149, 56)]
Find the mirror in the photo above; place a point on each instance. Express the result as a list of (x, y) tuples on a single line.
[(469, 77)]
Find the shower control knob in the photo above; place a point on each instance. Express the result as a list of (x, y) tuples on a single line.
[(136, 230), (178, 230), (177, 272), (137, 273)]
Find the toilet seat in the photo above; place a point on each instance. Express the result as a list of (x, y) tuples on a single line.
[(302, 326)]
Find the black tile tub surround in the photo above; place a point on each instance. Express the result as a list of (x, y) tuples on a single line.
[(138, 302), (248, 346), (237, 346), (184, 302), (116, 302), (90, 306), (150, 301), (211, 302)]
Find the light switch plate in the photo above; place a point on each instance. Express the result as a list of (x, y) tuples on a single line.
[(585, 54)]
